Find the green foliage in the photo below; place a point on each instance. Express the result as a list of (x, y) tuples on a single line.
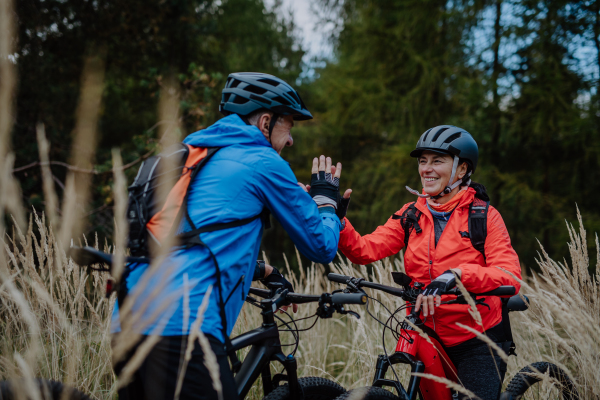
[(401, 68), (199, 42), (505, 70)]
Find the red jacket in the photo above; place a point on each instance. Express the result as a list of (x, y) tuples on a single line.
[(423, 262)]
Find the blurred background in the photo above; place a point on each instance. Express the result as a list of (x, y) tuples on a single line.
[(522, 76)]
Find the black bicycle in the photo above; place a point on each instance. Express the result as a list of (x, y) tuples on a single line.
[(264, 341), (416, 352)]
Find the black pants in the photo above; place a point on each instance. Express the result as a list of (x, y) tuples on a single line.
[(156, 379), (477, 369)]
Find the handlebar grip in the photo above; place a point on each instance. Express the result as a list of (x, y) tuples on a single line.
[(501, 291), (260, 292), (349, 298), (338, 278)]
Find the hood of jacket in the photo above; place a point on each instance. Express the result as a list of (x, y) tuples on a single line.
[(227, 131)]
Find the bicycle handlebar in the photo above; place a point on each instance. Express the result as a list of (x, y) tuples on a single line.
[(501, 291), (346, 279), (336, 298)]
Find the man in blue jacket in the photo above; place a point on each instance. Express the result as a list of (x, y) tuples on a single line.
[(245, 177)]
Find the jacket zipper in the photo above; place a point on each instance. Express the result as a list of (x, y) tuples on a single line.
[(241, 280)]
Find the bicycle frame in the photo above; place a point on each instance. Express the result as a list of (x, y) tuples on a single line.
[(424, 357), (266, 347)]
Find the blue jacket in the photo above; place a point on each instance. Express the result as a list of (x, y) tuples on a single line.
[(242, 178)]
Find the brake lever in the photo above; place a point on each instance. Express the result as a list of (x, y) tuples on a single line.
[(460, 299), (481, 302), (353, 313)]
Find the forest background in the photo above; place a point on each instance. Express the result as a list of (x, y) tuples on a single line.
[(521, 75)]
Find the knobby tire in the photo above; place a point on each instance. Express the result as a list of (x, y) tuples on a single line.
[(369, 393), (526, 378), (314, 389)]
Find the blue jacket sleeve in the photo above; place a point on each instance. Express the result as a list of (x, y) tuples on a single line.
[(315, 234)]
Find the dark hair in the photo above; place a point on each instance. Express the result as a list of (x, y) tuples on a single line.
[(480, 190)]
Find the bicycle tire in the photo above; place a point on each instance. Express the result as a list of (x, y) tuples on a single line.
[(522, 381), (314, 389), (48, 389), (368, 393)]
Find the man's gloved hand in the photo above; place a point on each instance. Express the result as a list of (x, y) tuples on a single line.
[(441, 284), (276, 277), (324, 186)]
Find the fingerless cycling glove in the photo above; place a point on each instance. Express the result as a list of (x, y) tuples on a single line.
[(441, 284), (276, 277), (324, 189)]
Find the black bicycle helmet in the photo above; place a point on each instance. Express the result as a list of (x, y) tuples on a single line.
[(449, 139), (452, 140), (247, 92)]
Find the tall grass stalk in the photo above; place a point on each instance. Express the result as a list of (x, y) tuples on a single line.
[(56, 315)]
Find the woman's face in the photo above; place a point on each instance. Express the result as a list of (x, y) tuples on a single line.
[(435, 170)]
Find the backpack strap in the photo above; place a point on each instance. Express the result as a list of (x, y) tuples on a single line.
[(192, 238), (478, 213), (409, 220)]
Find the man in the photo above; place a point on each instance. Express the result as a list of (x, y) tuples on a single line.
[(242, 180)]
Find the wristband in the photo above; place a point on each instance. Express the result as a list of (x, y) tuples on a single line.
[(259, 270)]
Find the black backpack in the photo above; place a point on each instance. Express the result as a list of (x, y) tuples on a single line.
[(478, 213), (152, 218)]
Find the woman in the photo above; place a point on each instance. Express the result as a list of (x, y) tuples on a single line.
[(442, 250)]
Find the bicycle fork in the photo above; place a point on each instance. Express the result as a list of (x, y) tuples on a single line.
[(291, 368), (383, 363)]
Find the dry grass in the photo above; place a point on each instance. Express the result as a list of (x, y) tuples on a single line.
[(55, 320)]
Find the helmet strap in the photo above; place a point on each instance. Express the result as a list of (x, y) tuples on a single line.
[(272, 126)]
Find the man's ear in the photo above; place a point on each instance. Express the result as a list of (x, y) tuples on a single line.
[(263, 124)]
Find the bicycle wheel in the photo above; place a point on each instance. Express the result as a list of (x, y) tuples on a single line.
[(49, 390), (314, 389), (368, 393), (526, 386)]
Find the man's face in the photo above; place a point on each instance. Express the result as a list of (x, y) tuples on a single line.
[(282, 136)]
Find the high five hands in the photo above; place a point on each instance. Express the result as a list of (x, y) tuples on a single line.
[(324, 186)]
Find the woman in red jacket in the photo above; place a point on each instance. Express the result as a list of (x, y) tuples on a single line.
[(447, 156)]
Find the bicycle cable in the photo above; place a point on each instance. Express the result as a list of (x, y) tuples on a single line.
[(305, 329), (386, 326), (294, 332)]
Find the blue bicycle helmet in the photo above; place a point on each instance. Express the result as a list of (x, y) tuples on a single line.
[(247, 92)]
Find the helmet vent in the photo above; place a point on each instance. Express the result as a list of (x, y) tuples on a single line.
[(281, 100), (269, 82), (261, 99), (294, 96), (425, 136), (240, 100), (452, 138), (226, 97), (235, 83), (255, 89), (437, 135)]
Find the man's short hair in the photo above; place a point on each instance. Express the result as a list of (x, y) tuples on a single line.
[(255, 116)]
